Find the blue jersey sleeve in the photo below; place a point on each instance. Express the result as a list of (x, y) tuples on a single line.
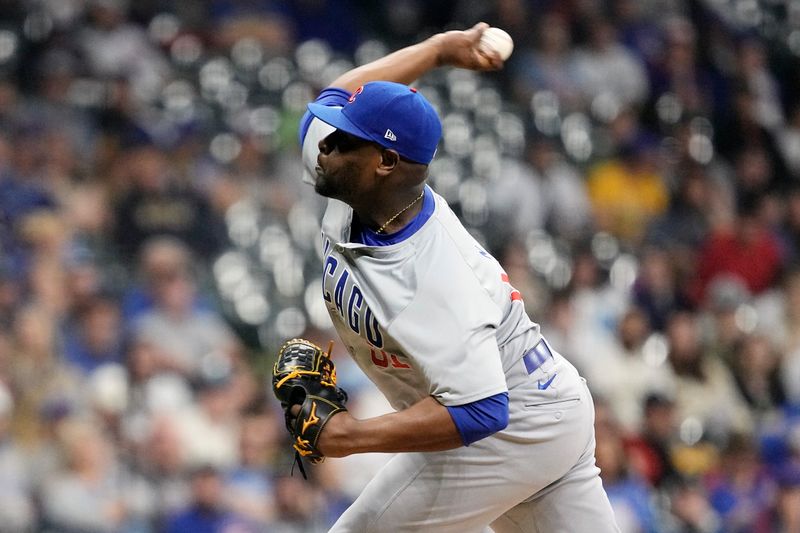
[(481, 418), (332, 96)]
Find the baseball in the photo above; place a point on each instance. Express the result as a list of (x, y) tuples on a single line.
[(498, 40)]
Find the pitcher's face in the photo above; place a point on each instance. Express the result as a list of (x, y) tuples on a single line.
[(346, 165)]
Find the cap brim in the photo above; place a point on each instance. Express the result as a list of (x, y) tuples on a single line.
[(335, 117)]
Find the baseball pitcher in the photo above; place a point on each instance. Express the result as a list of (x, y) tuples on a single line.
[(495, 427)]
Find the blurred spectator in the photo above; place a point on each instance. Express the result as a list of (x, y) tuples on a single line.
[(5, 355), (627, 192), (115, 48), (790, 377), (704, 388), (300, 507), (741, 491), (206, 512), (94, 337), (46, 275), (246, 387), (267, 21), (180, 333), (691, 509), (622, 131), (779, 312), (87, 494), (10, 295), (60, 165), (18, 199), (786, 516), (249, 487), (755, 369), (516, 201), (639, 30), (159, 258), (608, 70), (253, 176), (123, 121), (630, 497), (742, 139), (679, 74), (86, 279), (702, 200), (38, 378), (156, 386), (626, 376), (563, 191), (686, 223), (656, 289), (17, 511), (215, 417), (550, 66), (754, 174), (161, 466), (156, 205), (594, 307), (788, 138), (756, 76), (651, 451), (722, 323), (107, 391), (57, 72), (790, 230), (729, 251)]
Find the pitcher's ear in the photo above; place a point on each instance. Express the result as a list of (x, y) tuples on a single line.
[(389, 160)]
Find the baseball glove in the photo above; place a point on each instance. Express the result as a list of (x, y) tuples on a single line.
[(304, 376)]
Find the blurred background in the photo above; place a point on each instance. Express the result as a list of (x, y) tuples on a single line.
[(635, 167)]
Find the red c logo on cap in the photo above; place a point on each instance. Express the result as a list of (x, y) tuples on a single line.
[(353, 96)]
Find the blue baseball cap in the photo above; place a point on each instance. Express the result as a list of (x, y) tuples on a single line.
[(391, 114)]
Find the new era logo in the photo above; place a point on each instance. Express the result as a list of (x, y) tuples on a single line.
[(390, 135)]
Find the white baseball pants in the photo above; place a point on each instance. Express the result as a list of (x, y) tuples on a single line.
[(537, 476)]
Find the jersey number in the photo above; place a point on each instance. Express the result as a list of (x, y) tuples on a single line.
[(383, 359)]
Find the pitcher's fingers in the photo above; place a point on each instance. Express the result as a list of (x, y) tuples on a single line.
[(475, 32)]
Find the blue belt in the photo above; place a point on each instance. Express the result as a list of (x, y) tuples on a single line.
[(536, 356)]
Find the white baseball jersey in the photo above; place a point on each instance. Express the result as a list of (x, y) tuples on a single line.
[(431, 315)]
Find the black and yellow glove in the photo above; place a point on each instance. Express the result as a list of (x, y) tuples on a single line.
[(305, 376)]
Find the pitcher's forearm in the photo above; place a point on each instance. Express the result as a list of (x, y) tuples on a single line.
[(453, 48), (426, 426), (403, 66)]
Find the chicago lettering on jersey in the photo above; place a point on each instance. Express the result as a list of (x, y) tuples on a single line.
[(342, 294)]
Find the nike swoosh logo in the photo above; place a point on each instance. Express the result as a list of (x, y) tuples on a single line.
[(543, 386)]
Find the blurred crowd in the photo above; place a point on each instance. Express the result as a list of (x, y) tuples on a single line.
[(635, 167)]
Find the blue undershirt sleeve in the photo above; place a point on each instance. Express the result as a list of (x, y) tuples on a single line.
[(481, 418), (331, 96)]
